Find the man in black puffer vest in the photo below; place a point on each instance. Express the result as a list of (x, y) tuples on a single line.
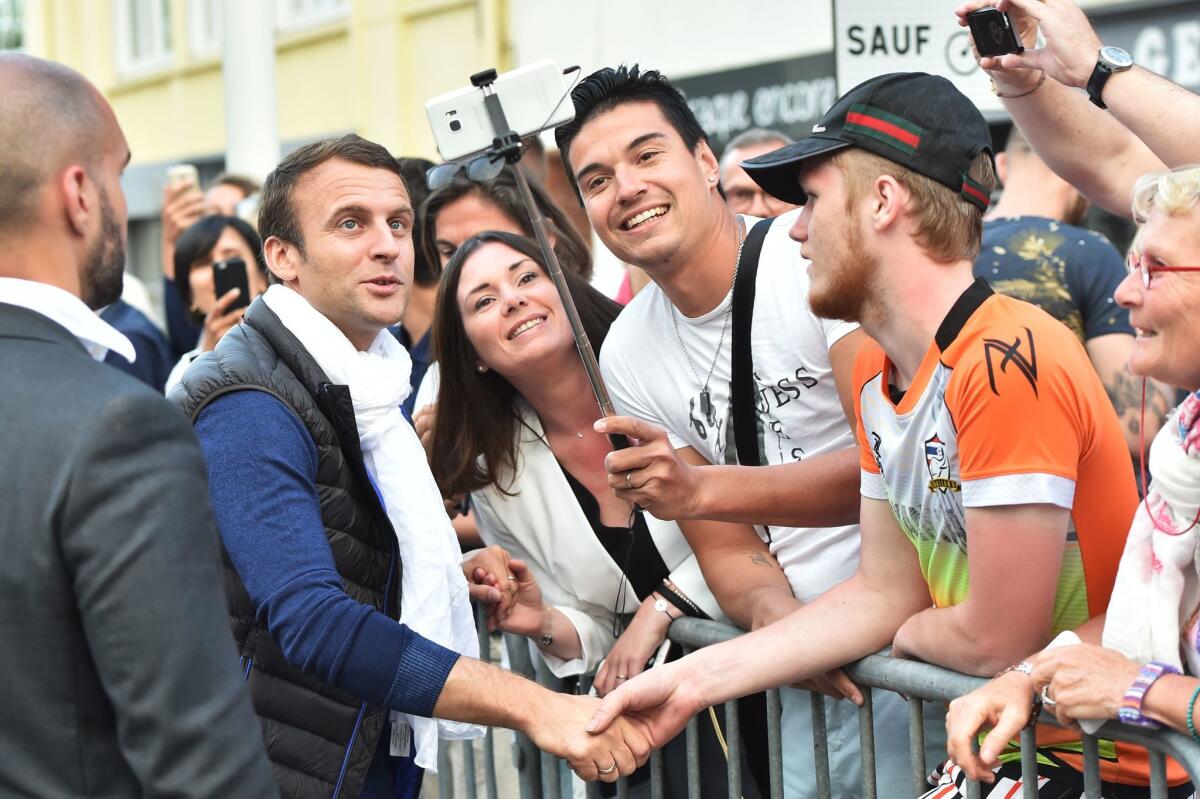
[(319, 495)]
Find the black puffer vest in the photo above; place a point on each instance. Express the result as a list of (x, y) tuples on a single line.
[(320, 739)]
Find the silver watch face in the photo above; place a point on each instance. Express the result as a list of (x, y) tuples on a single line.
[(660, 605), (1115, 57)]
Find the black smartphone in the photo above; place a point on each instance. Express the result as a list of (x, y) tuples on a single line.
[(993, 33), (229, 275)]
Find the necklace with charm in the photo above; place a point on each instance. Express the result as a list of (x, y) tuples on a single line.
[(706, 406)]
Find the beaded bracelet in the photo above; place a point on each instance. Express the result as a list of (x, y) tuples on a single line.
[(1191, 724), (1131, 705)]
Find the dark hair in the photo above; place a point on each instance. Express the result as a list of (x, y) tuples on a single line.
[(197, 242), (425, 271), (276, 216), (248, 186), (502, 192), (608, 88), (475, 434)]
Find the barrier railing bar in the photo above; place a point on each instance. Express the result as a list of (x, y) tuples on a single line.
[(526, 756), (918, 682), (916, 745), (1091, 767), (820, 736), (775, 743), (468, 751), (445, 782), (1158, 776), (656, 775), (693, 748), (933, 683), (733, 742), (489, 742), (692, 733), (622, 788), (974, 790), (866, 743), (1029, 782)]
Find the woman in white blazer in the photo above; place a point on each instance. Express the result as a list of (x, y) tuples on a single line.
[(513, 428)]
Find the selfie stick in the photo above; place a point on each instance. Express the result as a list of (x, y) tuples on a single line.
[(507, 145)]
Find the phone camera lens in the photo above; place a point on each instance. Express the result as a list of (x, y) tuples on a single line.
[(455, 125)]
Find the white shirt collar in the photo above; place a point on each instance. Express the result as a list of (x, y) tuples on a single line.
[(64, 308)]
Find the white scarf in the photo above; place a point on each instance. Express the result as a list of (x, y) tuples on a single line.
[(1157, 587), (436, 602)]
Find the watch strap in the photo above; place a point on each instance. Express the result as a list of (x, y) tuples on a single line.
[(1095, 87)]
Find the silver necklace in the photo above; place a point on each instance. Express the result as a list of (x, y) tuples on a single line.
[(706, 398)]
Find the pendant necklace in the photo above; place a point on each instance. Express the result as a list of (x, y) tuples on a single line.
[(705, 397)]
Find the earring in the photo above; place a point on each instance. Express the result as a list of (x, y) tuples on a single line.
[(481, 368), (712, 180)]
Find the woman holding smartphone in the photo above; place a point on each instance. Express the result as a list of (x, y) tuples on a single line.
[(217, 244), (513, 427)]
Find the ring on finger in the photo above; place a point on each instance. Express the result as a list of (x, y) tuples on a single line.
[(609, 770), (514, 579), (1047, 700), (622, 677), (628, 484)]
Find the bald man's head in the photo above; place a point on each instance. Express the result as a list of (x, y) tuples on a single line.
[(62, 210), (50, 117)]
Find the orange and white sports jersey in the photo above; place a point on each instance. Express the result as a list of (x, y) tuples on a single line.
[(1005, 409)]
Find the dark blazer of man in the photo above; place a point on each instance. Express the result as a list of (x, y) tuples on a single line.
[(119, 673)]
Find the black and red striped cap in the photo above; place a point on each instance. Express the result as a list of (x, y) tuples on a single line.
[(917, 120)]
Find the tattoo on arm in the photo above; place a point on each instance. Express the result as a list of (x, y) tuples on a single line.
[(759, 559), (1125, 392)]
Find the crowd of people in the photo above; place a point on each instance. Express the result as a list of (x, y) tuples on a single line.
[(866, 401)]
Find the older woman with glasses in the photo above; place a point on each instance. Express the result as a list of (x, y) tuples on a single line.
[(1140, 662)]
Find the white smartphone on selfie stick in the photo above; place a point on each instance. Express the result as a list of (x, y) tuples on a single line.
[(535, 97)]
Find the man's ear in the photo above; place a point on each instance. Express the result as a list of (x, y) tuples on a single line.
[(708, 161), (77, 195), (888, 202), (1002, 167), (281, 258)]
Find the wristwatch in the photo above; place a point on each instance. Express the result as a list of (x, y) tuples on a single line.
[(662, 605), (1110, 60)]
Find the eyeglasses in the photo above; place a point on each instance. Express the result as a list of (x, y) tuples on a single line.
[(1146, 270), (479, 169)]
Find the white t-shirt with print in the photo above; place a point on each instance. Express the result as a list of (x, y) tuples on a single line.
[(798, 409)]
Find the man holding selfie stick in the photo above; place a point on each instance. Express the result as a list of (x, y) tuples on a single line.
[(346, 590), (1059, 95)]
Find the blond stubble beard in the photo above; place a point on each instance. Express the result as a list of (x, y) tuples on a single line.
[(844, 289)]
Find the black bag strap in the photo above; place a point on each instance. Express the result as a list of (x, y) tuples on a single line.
[(745, 424)]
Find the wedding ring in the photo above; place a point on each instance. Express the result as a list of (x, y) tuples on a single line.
[(627, 483), (514, 579), (1047, 700), (622, 676), (608, 770)]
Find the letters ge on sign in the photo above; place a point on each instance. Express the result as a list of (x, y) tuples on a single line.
[(887, 39)]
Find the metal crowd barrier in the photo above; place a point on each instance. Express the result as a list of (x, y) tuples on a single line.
[(544, 777)]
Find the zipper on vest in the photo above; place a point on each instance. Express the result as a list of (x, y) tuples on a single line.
[(337, 789)]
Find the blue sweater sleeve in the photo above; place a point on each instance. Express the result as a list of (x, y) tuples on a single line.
[(262, 467)]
